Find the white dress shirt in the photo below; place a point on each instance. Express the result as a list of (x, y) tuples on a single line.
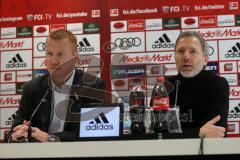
[(60, 97)]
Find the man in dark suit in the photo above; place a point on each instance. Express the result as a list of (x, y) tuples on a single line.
[(50, 103)]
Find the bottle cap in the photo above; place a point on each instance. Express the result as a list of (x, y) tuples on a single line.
[(160, 79)]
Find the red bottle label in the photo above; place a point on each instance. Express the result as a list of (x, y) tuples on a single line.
[(161, 103)]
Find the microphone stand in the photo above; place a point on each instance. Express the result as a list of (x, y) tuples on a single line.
[(177, 82), (174, 125), (30, 139)]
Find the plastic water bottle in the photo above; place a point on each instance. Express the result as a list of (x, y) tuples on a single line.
[(137, 108)]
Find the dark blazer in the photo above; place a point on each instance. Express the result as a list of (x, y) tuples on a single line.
[(86, 89)]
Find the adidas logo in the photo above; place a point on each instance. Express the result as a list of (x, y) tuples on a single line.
[(85, 46), (163, 42), (99, 123), (10, 120), (16, 62), (97, 119), (234, 51), (235, 112)]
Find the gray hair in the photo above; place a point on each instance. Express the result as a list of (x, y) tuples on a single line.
[(204, 44)]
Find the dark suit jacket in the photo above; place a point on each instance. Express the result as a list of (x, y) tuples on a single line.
[(85, 89)]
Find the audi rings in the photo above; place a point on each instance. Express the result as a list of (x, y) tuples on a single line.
[(41, 46), (127, 42), (122, 43)]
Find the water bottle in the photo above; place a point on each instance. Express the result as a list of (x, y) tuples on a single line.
[(137, 108), (126, 115)]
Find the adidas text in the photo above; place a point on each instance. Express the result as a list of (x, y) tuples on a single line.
[(164, 45), (16, 65), (86, 49), (232, 55), (99, 127), (234, 115), (8, 123)]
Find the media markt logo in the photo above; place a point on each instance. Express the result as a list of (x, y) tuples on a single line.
[(85, 46), (234, 51), (235, 112), (99, 123), (16, 62), (163, 42), (24, 31), (171, 23), (91, 27), (238, 20)]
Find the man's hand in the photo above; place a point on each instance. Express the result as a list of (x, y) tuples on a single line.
[(209, 130), (39, 135), (20, 131)]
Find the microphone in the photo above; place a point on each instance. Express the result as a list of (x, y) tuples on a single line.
[(177, 82), (29, 139), (173, 118)]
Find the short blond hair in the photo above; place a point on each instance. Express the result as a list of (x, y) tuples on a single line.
[(62, 34)]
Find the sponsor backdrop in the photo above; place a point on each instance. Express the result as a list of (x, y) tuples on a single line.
[(118, 41)]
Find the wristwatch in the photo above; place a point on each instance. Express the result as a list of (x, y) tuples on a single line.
[(53, 138)]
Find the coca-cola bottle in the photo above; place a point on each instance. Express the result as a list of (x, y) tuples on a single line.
[(160, 106), (137, 108)]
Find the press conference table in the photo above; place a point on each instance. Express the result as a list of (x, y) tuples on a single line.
[(123, 148)]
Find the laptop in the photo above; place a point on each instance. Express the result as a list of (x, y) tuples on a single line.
[(103, 122)]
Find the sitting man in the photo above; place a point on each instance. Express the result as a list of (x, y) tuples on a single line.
[(203, 96), (49, 101)]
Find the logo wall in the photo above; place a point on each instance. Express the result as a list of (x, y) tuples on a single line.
[(39, 63), (219, 33), (42, 30), (128, 42), (118, 26), (9, 32), (7, 116), (75, 28), (89, 60), (88, 44), (153, 24), (234, 92), (10, 101), (16, 60), (39, 46), (161, 40), (213, 50), (233, 128), (15, 44), (234, 110), (9, 88), (8, 77), (143, 58), (189, 22), (229, 49)]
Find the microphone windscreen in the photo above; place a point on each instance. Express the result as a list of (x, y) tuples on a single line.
[(173, 120), (177, 82)]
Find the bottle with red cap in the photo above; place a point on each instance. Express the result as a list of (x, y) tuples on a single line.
[(160, 106), (137, 108)]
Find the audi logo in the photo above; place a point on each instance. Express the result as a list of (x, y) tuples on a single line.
[(127, 42), (41, 46), (211, 50), (123, 43)]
